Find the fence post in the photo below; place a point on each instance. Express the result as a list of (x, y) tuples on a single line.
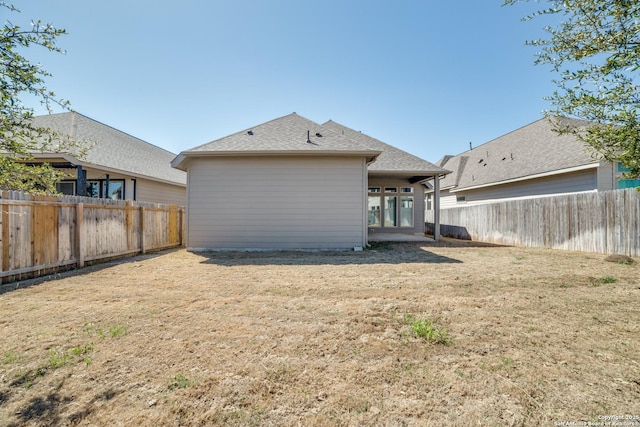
[(128, 218), (142, 242), (6, 260), (79, 234), (183, 227)]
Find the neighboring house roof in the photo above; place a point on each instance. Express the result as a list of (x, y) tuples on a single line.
[(294, 134), (112, 149), (531, 151)]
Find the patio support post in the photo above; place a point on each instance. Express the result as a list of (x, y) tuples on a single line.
[(436, 208), (81, 181)]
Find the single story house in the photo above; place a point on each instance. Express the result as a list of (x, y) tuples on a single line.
[(291, 183), (533, 161), (117, 165)]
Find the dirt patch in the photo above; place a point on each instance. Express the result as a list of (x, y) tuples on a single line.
[(287, 338)]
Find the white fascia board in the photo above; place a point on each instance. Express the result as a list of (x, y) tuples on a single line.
[(447, 188), (407, 174), (69, 158), (362, 153), (179, 161)]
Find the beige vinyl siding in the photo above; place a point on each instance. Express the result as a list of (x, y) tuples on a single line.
[(447, 199), (159, 192), (278, 202), (575, 182), (607, 177)]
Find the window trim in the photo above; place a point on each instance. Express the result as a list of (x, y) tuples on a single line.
[(67, 182), (398, 193), (102, 191)]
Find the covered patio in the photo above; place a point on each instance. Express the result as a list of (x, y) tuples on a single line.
[(399, 237)]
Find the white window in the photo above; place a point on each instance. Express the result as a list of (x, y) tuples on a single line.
[(98, 189), (390, 210), (66, 187), (374, 211), (406, 211)]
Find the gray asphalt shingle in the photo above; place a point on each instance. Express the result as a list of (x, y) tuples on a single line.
[(531, 150), (284, 134), (114, 149), (288, 134), (391, 159)]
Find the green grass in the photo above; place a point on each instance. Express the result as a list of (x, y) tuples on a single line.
[(118, 330), (114, 331), (379, 246), (10, 357), (179, 381), (58, 358), (604, 281), (425, 328)]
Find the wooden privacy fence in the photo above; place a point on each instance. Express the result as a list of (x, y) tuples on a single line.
[(602, 222), (42, 234)]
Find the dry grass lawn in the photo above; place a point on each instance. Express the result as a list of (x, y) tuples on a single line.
[(533, 337)]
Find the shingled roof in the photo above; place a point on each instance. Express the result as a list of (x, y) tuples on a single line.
[(294, 134), (291, 134), (113, 149), (526, 152), (391, 159)]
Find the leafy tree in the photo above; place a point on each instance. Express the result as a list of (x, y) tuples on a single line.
[(20, 78), (595, 49)]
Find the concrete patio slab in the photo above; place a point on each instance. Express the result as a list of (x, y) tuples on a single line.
[(399, 237)]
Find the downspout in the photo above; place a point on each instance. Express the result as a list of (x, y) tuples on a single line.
[(365, 202)]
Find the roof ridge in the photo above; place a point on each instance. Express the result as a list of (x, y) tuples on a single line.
[(550, 118), (123, 132), (251, 128), (73, 114), (113, 148), (502, 136), (372, 137)]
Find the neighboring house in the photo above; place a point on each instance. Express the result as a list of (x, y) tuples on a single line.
[(291, 183), (532, 161), (117, 165)]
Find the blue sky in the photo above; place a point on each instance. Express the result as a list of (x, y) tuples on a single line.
[(426, 76)]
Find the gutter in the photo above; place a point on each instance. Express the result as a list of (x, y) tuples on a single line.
[(181, 158)]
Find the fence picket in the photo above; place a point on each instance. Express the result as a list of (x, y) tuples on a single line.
[(45, 233), (601, 222)]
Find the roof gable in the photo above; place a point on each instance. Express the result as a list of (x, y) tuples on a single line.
[(114, 149), (529, 151), (291, 133), (294, 134)]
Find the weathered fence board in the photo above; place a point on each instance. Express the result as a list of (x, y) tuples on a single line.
[(45, 233), (601, 222)]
